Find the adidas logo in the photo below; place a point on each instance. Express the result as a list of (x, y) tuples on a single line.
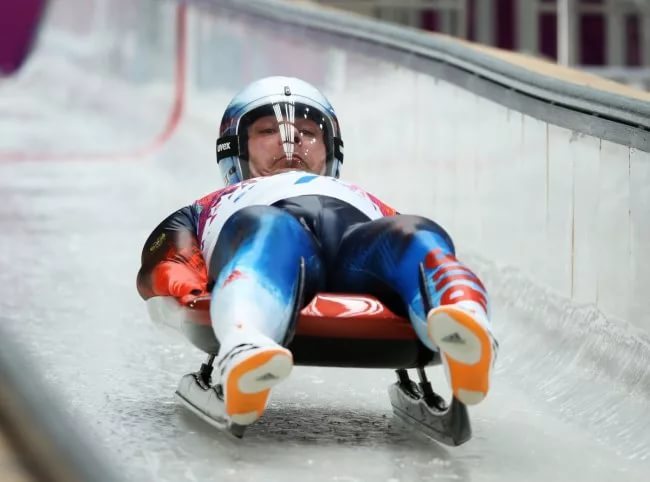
[(241, 348), (267, 376), (454, 338), (218, 390)]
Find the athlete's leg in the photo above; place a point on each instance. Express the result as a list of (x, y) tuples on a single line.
[(414, 257), (256, 268)]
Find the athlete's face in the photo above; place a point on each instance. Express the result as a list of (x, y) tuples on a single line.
[(275, 147)]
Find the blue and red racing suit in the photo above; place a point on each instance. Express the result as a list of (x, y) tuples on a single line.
[(253, 245)]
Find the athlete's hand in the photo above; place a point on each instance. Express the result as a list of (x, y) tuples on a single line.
[(180, 281)]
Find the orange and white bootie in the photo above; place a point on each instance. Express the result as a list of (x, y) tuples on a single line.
[(467, 348), (248, 366)]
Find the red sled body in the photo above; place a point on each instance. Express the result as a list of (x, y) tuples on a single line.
[(338, 330)]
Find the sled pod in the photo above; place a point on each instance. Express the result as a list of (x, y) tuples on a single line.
[(356, 331), (337, 330)]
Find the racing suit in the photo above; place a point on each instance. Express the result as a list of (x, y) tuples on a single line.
[(261, 245)]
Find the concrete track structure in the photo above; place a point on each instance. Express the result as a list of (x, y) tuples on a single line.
[(111, 125)]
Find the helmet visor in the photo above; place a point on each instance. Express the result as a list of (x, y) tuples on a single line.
[(285, 136)]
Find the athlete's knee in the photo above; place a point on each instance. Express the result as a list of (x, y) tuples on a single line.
[(256, 231), (251, 217), (264, 240), (409, 226), (252, 221)]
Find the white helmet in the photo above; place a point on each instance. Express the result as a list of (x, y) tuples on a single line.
[(287, 99)]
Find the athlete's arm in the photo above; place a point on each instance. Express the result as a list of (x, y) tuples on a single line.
[(172, 262)]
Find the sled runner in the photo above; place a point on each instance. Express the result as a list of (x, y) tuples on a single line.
[(333, 330)]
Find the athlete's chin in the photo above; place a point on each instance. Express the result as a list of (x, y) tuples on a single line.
[(280, 168), (291, 169)]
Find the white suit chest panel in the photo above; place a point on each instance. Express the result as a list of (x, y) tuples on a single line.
[(268, 190)]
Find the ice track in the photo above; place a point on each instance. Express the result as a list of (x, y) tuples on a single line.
[(85, 176)]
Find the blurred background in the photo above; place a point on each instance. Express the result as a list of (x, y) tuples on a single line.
[(610, 38)]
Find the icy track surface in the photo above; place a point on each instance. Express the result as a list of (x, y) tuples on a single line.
[(72, 232)]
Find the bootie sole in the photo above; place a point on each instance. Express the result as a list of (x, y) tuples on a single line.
[(250, 381), (466, 350)]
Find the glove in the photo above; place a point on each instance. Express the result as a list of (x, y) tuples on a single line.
[(181, 281)]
